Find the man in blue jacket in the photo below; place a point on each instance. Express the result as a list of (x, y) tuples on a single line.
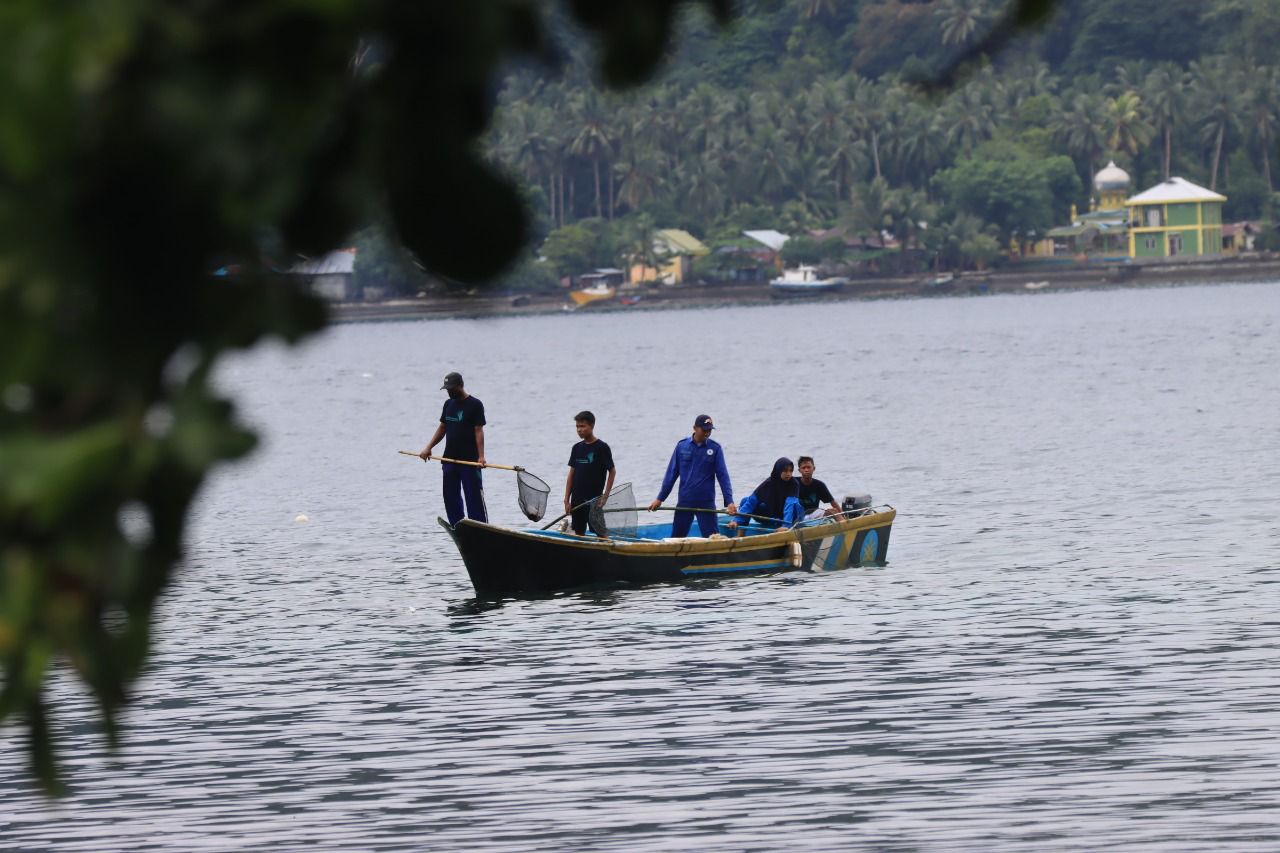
[(697, 462)]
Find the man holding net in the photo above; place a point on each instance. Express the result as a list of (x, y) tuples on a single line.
[(697, 462), (462, 428), (590, 477)]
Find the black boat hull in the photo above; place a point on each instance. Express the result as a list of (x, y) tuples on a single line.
[(505, 561)]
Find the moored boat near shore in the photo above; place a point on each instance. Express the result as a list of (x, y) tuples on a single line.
[(804, 281), (519, 561), (595, 293)]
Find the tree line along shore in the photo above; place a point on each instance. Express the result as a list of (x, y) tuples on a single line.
[(1262, 267)]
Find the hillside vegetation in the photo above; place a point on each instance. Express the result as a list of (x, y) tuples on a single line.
[(804, 115)]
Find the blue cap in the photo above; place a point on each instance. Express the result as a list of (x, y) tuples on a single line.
[(704, 421)]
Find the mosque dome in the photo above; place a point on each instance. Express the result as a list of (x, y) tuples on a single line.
[(1111, 178)]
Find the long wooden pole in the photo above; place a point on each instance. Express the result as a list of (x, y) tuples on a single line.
[(462, 462)]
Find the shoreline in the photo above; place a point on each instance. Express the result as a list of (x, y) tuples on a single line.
[(1045, 280)]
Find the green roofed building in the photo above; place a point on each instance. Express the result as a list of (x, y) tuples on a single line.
[(1175, 217)]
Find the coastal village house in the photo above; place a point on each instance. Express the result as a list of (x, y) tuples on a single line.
[(769, 245), (1240, 237), (1175, 217), (329, 276), (676, 250)]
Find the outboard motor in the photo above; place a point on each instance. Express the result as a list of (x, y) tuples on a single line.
[(855, 504)]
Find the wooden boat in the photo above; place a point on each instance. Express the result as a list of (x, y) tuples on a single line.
[(804, 281), (595, 293), (519, 561)]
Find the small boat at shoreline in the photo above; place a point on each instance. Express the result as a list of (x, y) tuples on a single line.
[(595, 293), (804, 281), (505, 561)]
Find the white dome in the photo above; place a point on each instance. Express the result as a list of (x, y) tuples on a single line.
[(1111, 178)]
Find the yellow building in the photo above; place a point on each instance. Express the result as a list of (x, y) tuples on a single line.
[(1175, 217), (677, 249)]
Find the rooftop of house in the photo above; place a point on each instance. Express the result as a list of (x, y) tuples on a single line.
[(1175, 190)]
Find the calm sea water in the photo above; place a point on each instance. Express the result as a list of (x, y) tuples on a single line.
[(1075, 644)]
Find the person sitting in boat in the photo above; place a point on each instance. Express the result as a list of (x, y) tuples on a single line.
[(775, 502), (590, 476), (813, 491), (697, 462)]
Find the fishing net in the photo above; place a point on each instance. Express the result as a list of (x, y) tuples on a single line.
[(617, 516), (533, 495)]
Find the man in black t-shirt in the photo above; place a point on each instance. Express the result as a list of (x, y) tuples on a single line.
[(813, 492), (591, 473), (462, 428)]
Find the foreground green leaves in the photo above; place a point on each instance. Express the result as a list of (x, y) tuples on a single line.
[(144, 144)]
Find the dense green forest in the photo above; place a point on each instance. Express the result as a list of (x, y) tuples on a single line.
[(805, 115)]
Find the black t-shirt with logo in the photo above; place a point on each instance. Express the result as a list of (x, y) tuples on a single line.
[(814, 495), (591, 464), (460, 419)]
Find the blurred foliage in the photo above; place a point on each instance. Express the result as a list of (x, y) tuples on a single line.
[(383, 265), (145, 143)]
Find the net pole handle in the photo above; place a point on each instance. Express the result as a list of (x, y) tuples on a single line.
[(691, 509), (587, 502), (464, 462)]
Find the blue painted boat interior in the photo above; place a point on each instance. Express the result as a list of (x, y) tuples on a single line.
[(655, 532)]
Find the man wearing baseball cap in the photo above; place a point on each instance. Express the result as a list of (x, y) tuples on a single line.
[(462, 427), (697, 462)]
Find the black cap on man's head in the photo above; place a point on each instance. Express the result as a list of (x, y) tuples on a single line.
[(704, 421), (453, 380)]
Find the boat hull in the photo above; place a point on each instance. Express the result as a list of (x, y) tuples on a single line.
[(788, 290), (507, 561), (586, 297)]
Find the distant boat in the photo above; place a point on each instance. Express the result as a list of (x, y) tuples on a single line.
[(804, 281), (595, 293), (1036, 285), (631, 298), (944, 283)]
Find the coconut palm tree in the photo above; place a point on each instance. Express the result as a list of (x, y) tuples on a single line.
[(1261, 116), (1164, 92), (1082, 128), (773, 157), (827, 113), (1127, 126), (641, 175), (1128, 77), (867, 114), (910, 212), (818, 9), (702, 184), (969, 118), (961, 20), (1027, 80), (871, 211), (844, 165), (702, 118), (920, 145), (593, 138), (1215, 91)]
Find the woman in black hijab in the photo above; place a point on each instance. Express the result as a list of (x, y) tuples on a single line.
[(771, 498)]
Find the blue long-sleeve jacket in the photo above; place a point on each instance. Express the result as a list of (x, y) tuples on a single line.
[(792, 512), (698, 467)]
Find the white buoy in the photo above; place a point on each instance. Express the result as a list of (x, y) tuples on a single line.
[(302, 518)]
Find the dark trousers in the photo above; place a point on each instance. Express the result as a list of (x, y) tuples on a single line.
[(460, 480), (582, 519), (683, 520)]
